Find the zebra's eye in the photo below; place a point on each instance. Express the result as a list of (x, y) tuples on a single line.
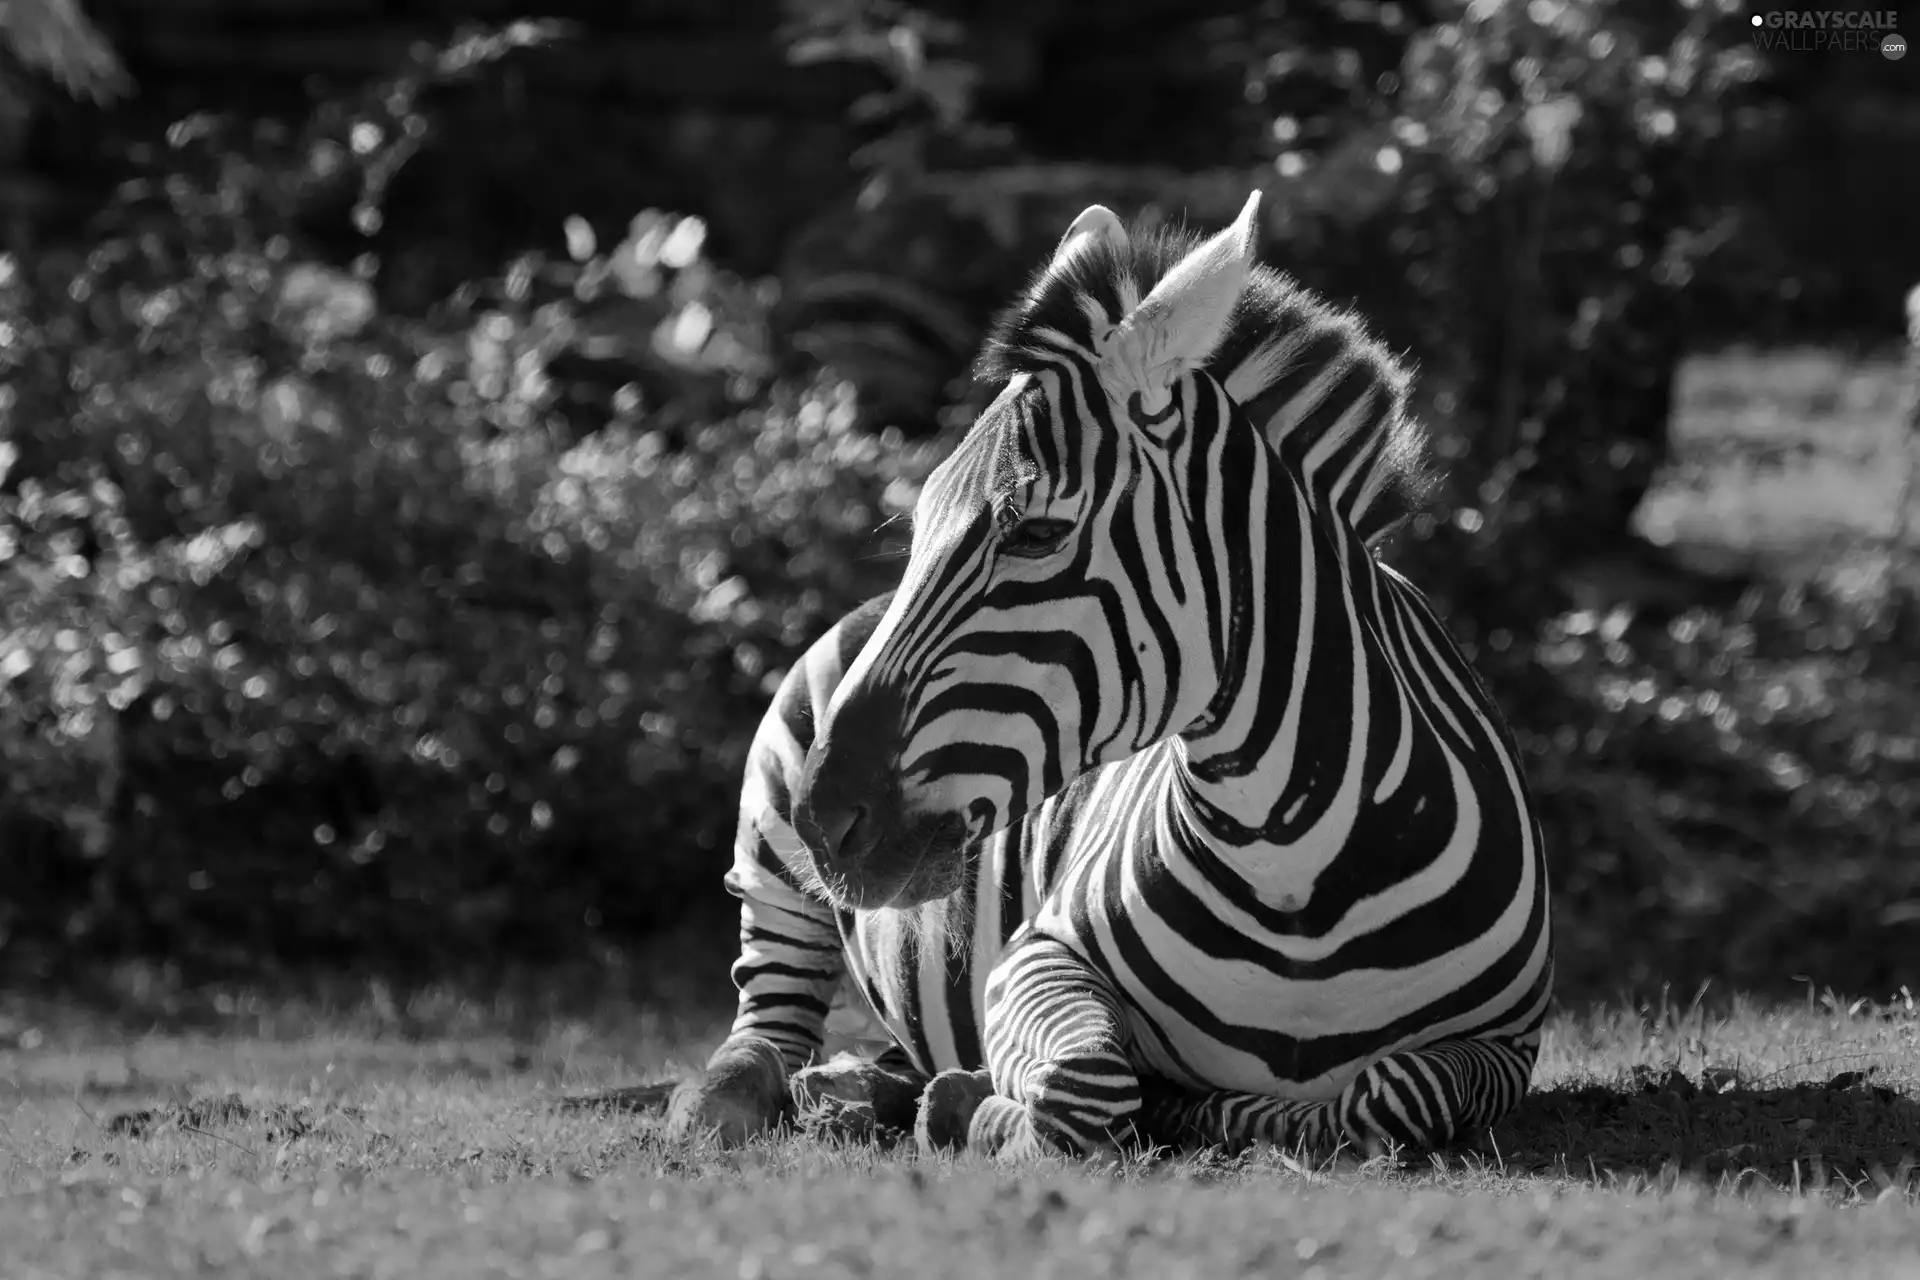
[(1035, 537)]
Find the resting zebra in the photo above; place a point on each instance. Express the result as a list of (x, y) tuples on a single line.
[(1151, 801)]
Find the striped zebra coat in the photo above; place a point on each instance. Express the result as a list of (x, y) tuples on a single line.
[(1151, 801)]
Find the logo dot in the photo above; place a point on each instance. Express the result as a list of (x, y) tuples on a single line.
[(1756, 19)]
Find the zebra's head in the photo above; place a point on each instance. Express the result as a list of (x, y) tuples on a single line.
[(1066, 598)]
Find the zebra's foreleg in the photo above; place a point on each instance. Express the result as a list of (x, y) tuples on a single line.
[(1420, 1099), (1058, 1079), (743, 1092), (746, 1090), (858, 1098)]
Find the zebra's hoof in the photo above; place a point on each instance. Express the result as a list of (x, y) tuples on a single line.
[(743, 1093), (947, 1107), (853, 1098), (1170, 1117)]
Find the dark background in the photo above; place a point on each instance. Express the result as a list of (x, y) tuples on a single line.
[(431, 430)]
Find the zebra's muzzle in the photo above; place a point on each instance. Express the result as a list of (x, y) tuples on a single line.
[(848, 800), (868, 849), (868, 857)]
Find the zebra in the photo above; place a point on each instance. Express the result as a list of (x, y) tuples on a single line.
[(1152, 804)]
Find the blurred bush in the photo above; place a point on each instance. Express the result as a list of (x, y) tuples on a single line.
[(330, 637)]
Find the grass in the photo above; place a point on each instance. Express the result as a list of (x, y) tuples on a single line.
[(1661, 1140)]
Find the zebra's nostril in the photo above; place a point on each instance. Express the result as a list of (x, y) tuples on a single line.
[(842, 831), (851, 833)]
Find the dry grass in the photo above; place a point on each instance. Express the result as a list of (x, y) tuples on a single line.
[(1665, 1140)]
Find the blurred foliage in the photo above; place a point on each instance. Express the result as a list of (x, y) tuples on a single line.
[(330, 633), (334, 637), (1734, 790)]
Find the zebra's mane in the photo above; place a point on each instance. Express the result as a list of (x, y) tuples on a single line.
[(1293, 362)]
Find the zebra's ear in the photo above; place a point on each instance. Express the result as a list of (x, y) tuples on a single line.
[(1095, 225), (1178, 325)]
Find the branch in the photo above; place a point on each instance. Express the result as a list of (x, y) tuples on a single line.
[(54, 36)]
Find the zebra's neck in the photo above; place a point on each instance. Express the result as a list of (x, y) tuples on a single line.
[(1272, 779)]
